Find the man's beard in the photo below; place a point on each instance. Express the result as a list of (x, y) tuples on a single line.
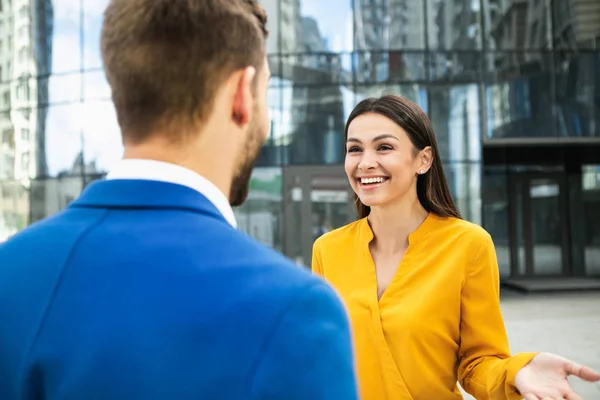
[(241, 180)]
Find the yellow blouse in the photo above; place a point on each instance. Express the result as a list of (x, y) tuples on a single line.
[(439, 320)]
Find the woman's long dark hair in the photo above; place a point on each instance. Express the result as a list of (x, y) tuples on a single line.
[(432, 189)]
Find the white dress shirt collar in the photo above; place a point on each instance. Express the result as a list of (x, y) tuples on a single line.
[(172, 173)]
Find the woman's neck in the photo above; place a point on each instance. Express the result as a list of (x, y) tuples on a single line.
[(392, 224)]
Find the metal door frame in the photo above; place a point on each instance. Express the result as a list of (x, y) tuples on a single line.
[(525, 178), (302, 176)]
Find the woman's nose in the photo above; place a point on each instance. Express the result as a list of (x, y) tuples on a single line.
[(367, 162)]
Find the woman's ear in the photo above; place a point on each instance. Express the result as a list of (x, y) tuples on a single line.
[(425, 159)]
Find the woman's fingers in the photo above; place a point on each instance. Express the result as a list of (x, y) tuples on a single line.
[(585, 373), (573, 396)]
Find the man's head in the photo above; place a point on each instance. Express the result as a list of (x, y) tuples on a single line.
[(191, 75)]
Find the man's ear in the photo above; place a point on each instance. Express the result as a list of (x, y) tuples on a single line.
[(243, 97)]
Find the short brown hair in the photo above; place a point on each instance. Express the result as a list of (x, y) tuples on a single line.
[(164, 59)]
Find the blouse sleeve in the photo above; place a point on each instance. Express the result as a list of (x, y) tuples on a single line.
[(316, 260), (486, 369)]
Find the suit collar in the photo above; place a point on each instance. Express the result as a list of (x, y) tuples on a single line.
[(145, 194), (136, 168)]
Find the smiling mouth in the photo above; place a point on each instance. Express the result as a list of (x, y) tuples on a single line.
[(372, 181)]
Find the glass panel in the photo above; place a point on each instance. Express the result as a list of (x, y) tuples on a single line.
[(315, 131), (102, 136), (496, 214), (62, 138), (294, 221), (520, 101), (591, 209), (49, 196), (273, 18), (62, 33), (546, 226), (96, 86), (329, 198), (464, 181), (21, 143), (455, 116), (314, 25), (383, 66), (14, 208), (519, 221), (316, 68), (455, 67), (454, 24), (261, 216), (390, 24), (575, 23), (271, 153), (578, 110), (61, 88), (415, 93), (93, 13), (517, 24)]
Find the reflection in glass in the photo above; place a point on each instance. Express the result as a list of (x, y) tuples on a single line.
[(520, 200), (578, 110), (495, 214), (93, 12), (261, 216), (464, 181), (63, 34), (316, 126), (51, 195), (102, 136), (455, 24), (391, 24), (456, 121), (14, 208), (313, 25), (329, 199), (62, 88), (575, 25), (590, 184), (516, 24), (96, 86), (323, 69), (415, 93), (383, 66), (63, 138), (455, 67), (521, 103), (546, 226)]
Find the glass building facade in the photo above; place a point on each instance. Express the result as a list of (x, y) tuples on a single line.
[(512, 88)]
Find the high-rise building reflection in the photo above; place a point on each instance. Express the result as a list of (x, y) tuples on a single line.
[(25, 63)]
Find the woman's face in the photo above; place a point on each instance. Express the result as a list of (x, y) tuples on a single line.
[(380, 160)]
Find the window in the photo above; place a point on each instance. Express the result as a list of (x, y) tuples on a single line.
[(25, 162)]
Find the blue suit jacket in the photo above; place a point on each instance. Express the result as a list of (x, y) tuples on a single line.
[(142, 290)]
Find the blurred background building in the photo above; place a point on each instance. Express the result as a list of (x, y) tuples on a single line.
[(512, 88)]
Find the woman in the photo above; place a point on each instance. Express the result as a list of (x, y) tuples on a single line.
[(421, 285)]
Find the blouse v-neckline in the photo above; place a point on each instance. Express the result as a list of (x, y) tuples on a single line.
[(367, 236)]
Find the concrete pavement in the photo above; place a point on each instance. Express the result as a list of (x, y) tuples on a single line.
[(567, 324)]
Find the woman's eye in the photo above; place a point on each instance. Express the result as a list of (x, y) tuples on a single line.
[(353, 149), (385, 147)]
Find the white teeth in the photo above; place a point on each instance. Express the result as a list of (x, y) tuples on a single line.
[(372, 180)]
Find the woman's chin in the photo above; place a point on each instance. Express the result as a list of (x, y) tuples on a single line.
[(371, 201)]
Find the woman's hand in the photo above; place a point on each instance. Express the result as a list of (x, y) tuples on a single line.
[(545, 378)]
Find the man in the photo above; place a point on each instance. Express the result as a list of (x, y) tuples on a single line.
[(143, 288)]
